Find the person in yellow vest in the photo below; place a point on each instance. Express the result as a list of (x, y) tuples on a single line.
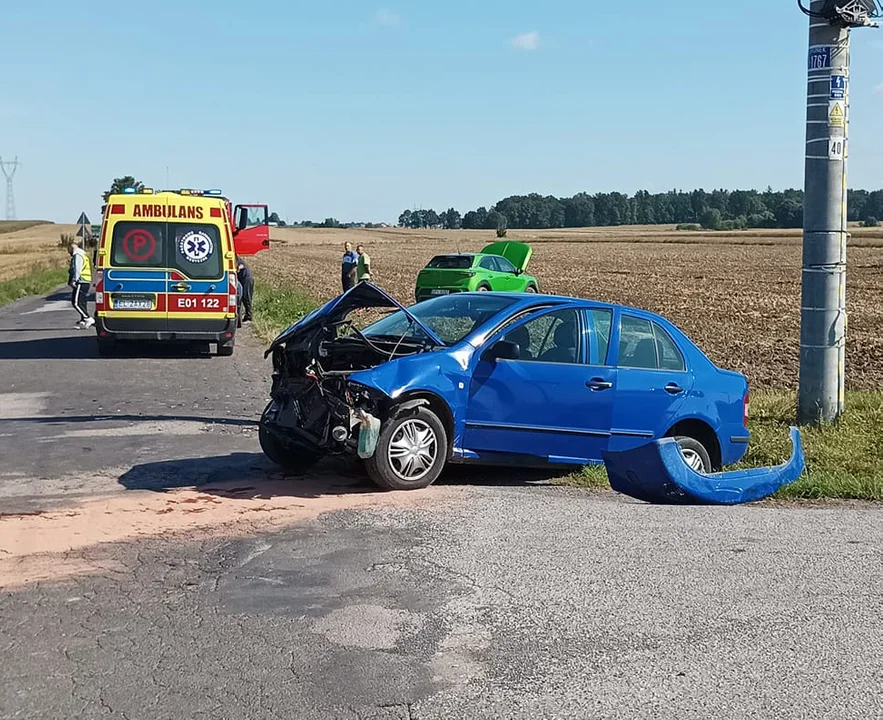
[(80, 279)]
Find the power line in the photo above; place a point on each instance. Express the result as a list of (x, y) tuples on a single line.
[(9, 169)]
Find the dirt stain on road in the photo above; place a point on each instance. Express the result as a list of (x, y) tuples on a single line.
[(46, 545)]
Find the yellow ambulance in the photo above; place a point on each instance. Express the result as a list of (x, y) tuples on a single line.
[(166, 267)]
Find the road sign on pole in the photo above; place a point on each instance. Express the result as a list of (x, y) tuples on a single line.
[(85, 227)]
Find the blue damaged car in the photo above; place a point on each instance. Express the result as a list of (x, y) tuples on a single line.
[(496, 378)]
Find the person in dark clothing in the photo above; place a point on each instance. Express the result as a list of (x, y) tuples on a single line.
[(246, 285), (348, 267)]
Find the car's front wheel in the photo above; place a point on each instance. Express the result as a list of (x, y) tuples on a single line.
[(695, 454), (530, 289), (411, 451), (484, 287), (288, 456)]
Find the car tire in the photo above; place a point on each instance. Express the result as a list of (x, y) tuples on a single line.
[(484, 287), (421, 428), (289, 457), (695, 454), (531, 289)]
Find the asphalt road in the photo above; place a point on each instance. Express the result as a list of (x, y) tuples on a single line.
[(154, 565)]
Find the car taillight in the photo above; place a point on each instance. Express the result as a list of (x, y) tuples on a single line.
[(745, 411), (99, 290)]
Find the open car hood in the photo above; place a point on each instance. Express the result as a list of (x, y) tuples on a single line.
[(517, 253), (361, 295)]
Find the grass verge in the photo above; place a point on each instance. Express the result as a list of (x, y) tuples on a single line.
[(276, 307), (38, 282), (843, 460)]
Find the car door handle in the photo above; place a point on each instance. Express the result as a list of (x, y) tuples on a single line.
[(598, 384), (673, 389)]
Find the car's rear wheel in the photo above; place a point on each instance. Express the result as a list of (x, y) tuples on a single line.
[(695, 454), (286, 455), (483, 288), (411, 451)]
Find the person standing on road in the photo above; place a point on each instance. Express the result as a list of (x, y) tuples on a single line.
[(363, 267), (348, 267), (79, 277), (246, 285)]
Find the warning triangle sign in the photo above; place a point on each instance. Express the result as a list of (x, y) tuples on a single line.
[(83, 219), (84, 231), (837, 111)]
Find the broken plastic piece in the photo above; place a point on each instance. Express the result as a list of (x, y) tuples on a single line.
[(368, 434), (657, 473)]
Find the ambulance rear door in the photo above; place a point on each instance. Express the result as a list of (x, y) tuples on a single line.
[(135, 273), (199, 272)]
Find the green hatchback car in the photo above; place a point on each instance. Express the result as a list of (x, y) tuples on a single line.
[(500, 267)]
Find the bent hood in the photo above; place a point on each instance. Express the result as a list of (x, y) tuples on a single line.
[(517, 253), (362, 295)]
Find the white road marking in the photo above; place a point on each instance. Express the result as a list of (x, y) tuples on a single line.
[(51, 306), (22, 405)]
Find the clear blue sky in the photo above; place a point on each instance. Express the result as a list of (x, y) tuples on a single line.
[(359, 109)]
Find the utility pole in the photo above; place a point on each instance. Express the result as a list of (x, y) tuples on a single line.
[(823, 302), (9, 169)]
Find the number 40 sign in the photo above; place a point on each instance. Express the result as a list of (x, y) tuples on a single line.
[(836, 148)]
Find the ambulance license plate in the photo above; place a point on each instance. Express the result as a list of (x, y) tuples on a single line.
[(133, 303)]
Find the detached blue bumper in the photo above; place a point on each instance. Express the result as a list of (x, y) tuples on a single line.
[(657, 473)]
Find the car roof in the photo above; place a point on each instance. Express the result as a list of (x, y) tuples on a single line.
[(528, 300)]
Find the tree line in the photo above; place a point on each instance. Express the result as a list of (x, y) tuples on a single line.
[(715, 210)]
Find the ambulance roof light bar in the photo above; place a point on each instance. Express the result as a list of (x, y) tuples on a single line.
[(189, 191), (133, 191)]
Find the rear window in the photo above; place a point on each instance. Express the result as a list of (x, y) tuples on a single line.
[(451, 262), (194, 249), (138, 244)]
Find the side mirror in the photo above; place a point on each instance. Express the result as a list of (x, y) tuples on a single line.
[(503, 350), (518, 271)]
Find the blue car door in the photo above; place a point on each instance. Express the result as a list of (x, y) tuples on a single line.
[(548, 404), (653, 382)]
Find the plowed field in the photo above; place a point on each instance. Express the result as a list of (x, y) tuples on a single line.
[(736, 294)]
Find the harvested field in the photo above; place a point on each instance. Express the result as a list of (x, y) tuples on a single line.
[(11, 226), (30, 248), (736, 294)]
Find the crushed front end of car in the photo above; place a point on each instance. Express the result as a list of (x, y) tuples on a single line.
[(314, 409)]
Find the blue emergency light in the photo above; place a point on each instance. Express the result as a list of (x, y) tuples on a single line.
[(129, 191), (212, 192)]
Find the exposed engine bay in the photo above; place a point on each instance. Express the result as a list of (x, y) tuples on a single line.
[(314, 404)]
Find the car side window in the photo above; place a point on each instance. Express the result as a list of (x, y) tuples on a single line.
[(488, 264), (637, 344), (504, 265), (669, 355), (602, 320), (553, 338)]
